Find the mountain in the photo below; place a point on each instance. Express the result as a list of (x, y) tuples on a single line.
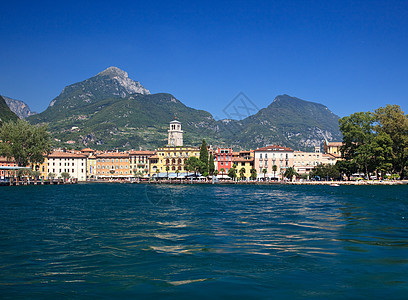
[(110, 110), (20, 108), (5, 113), (287, 121)]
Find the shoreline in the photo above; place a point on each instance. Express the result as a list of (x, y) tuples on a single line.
[(230, 182)]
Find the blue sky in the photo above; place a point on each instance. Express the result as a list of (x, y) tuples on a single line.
[(348, 55)]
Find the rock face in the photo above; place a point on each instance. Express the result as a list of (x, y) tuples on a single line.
[(110, 110), (20, 108), (287, 121), (5, 113)]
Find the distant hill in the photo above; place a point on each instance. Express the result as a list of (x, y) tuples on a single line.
[(5, 113), (21, 109), (287, 121), (110, 110)]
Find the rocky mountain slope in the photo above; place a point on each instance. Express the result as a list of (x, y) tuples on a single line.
[(288, 121), (21, 109), (110, 110), (5, 113)]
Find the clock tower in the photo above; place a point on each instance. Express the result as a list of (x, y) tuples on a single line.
[(175, 134)]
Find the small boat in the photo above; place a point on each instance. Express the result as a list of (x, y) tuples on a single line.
[(334, 184)]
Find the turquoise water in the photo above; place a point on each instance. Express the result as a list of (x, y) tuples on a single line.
[(203, 241)]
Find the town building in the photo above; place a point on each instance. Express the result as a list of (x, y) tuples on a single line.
[(172, 159), (223, 159), (304, 162), (113, 165), (175, 134), (139, 162), (6, 172), (333, 148), (245, 159), (91, 162), (71, 162), (272, 155)]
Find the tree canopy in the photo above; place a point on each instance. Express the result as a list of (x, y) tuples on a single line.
[(376, 142), (24, 142)]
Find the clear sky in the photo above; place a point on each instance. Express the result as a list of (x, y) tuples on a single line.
[(348, 55)]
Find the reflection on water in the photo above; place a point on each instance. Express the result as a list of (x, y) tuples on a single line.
[(232, 241)]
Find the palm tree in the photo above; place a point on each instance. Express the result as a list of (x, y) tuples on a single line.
[(222, 170), (242, 173), (157, 172), (290, 172), (253, 174), (264, 172), (274, 169), (167, 170)]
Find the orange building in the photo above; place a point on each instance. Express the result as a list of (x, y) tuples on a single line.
[(113, 165), (7, 163)]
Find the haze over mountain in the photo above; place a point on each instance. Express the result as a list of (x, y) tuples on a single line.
[(110, 110), (20, 108)]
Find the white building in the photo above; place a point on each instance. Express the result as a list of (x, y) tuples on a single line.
[(175, 134), (70, 162)]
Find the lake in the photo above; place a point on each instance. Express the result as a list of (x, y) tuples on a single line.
[(203, 241)]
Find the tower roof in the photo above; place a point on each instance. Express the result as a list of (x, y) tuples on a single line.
[(175, 121)]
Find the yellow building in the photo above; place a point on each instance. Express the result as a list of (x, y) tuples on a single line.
[(90, 162), (42, 168), (139, 162), (333, 148), (245, 160), (172, 157)]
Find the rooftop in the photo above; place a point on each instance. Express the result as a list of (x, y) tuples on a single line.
[(274, 148)]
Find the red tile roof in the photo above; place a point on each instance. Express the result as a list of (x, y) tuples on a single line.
[(62, 154), (113, 154), (274, 148), (142, 152)]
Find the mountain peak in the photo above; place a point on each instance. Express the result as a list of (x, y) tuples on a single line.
[(114, 72)]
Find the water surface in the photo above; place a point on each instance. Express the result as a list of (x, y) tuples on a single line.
[(203, 241)]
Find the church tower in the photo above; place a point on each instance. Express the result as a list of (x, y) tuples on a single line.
[(175, 134)]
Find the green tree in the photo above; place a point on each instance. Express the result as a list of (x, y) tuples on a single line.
[(347, 167), (24, 142), (325, 171), (216, 172), (203, 168), (290, 172), (222, 171), (177, 172), (232, 172), (274, 169), (167, 171), (65, 175), (264, 171), (211, 166), (51, 175), (253, 174), (193, 164), (382, 154), (358, 136), (242, 173), (392, 121)]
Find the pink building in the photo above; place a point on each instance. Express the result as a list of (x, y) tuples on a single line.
[(267, 157)]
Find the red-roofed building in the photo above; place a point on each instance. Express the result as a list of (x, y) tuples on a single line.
[(113, 164), (267, 157), (72, 162)]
